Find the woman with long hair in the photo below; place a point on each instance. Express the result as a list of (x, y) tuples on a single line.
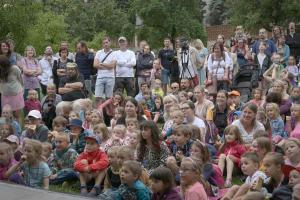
[(11, 85)]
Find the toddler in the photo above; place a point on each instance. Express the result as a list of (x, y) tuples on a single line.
[(119, 113), (132, 124), (292, 67), (157, 89), (7, 113), (257, 97), (96, 118), (117, 138)]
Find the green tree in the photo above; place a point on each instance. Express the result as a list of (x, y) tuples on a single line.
[(16, 16), (217, 12), (49, 29), (86, 19), (171, 18), (262, 13)]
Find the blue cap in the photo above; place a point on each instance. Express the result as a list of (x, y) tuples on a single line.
[(76, 122), (93, 137)]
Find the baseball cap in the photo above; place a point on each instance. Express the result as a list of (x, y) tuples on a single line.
[(234, 93), (122, 38), (12, 139), (93, 137), (75, 122), (35, 113)]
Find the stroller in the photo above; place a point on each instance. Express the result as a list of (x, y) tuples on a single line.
[(245, 80)]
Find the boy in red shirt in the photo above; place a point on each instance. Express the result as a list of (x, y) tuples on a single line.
[(91, 164)]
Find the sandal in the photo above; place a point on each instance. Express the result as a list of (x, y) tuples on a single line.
[(228, 183), (83, 190)]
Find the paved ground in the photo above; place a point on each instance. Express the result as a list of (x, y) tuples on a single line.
[(17, 192)]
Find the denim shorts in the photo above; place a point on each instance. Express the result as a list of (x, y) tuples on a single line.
[(104, 87)]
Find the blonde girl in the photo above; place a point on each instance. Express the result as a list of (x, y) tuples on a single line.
[(102, 131), (230, 152), (96, 118), (275, 120), (36, 171)]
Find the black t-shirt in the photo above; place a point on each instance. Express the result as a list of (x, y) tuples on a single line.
[(73, 95), (166, 56)]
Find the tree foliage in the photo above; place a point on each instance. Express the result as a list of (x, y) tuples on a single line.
[(262, 13), (49, 29), (217, 12), (169, 18)]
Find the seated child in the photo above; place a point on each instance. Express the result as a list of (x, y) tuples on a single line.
[(117, 138), (261, 146), (292, 152), (36, 171), (91, 164), (254, 180), (132, 187), (32, 102), (87, 119), (6, 129), (158, 110), (59, 124), (191, 184), (103, 133), (275, 120), (7, 160), (147, 97), (178, 118), (73, 115), (119, 113), (7, 113), (13, 141), (77, 135), (96, 118), (132, 124), (162, 184), (47, 152), (112, 178), (36, 129), (62, 161), (133, 141), (230, 152), (157, 89), (183, 97)]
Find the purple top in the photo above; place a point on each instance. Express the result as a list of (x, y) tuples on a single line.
[(169, 195), (4, 168), (30, 82)]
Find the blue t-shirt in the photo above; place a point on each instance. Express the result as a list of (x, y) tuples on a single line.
[(34, 175)]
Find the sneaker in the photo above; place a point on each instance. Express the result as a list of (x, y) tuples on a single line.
[(83, 190), (94, 192)]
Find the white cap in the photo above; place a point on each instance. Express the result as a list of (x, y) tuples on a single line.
[(122, 38), (35, 113), (13, 139)]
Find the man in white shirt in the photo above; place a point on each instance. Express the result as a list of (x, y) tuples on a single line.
[(46, 64), (126, 60), (105, 62)]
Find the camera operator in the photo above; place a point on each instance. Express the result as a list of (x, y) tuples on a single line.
[(187, 60)]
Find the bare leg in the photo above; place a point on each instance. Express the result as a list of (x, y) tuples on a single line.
[(242, 191), (221, 162), (230, 193), (229, 168)]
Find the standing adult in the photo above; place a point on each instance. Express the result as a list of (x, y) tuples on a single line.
[(11, 85), (263, 37), (276, 33), (202, 52), (219, 64), (85, 60), (71, 87), (187, 61), (166, 56), (202, 104), (248, 124), (59, 69), (46, 64), (5, 50), (31, 70), (65, 45), (105, 63), (144, 65), (293, 40), (283, 49), (124, 70)]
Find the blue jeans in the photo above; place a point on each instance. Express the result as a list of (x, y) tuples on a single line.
[(165, 76), (70, 176)]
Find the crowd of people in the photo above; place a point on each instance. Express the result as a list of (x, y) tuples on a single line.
[(139, 125)]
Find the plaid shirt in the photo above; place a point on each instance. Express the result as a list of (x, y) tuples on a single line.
[(34, 175), (185, 148), (62, 162)]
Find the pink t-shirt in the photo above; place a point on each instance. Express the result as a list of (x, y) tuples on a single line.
[(296, 132), (4, 168), (196, 192)]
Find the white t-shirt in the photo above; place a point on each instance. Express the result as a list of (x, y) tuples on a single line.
[(105, 73), (217, 67), (46, 66), (125, 62), (198, 122), (255, 176), (261, 58), (248, 137)]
